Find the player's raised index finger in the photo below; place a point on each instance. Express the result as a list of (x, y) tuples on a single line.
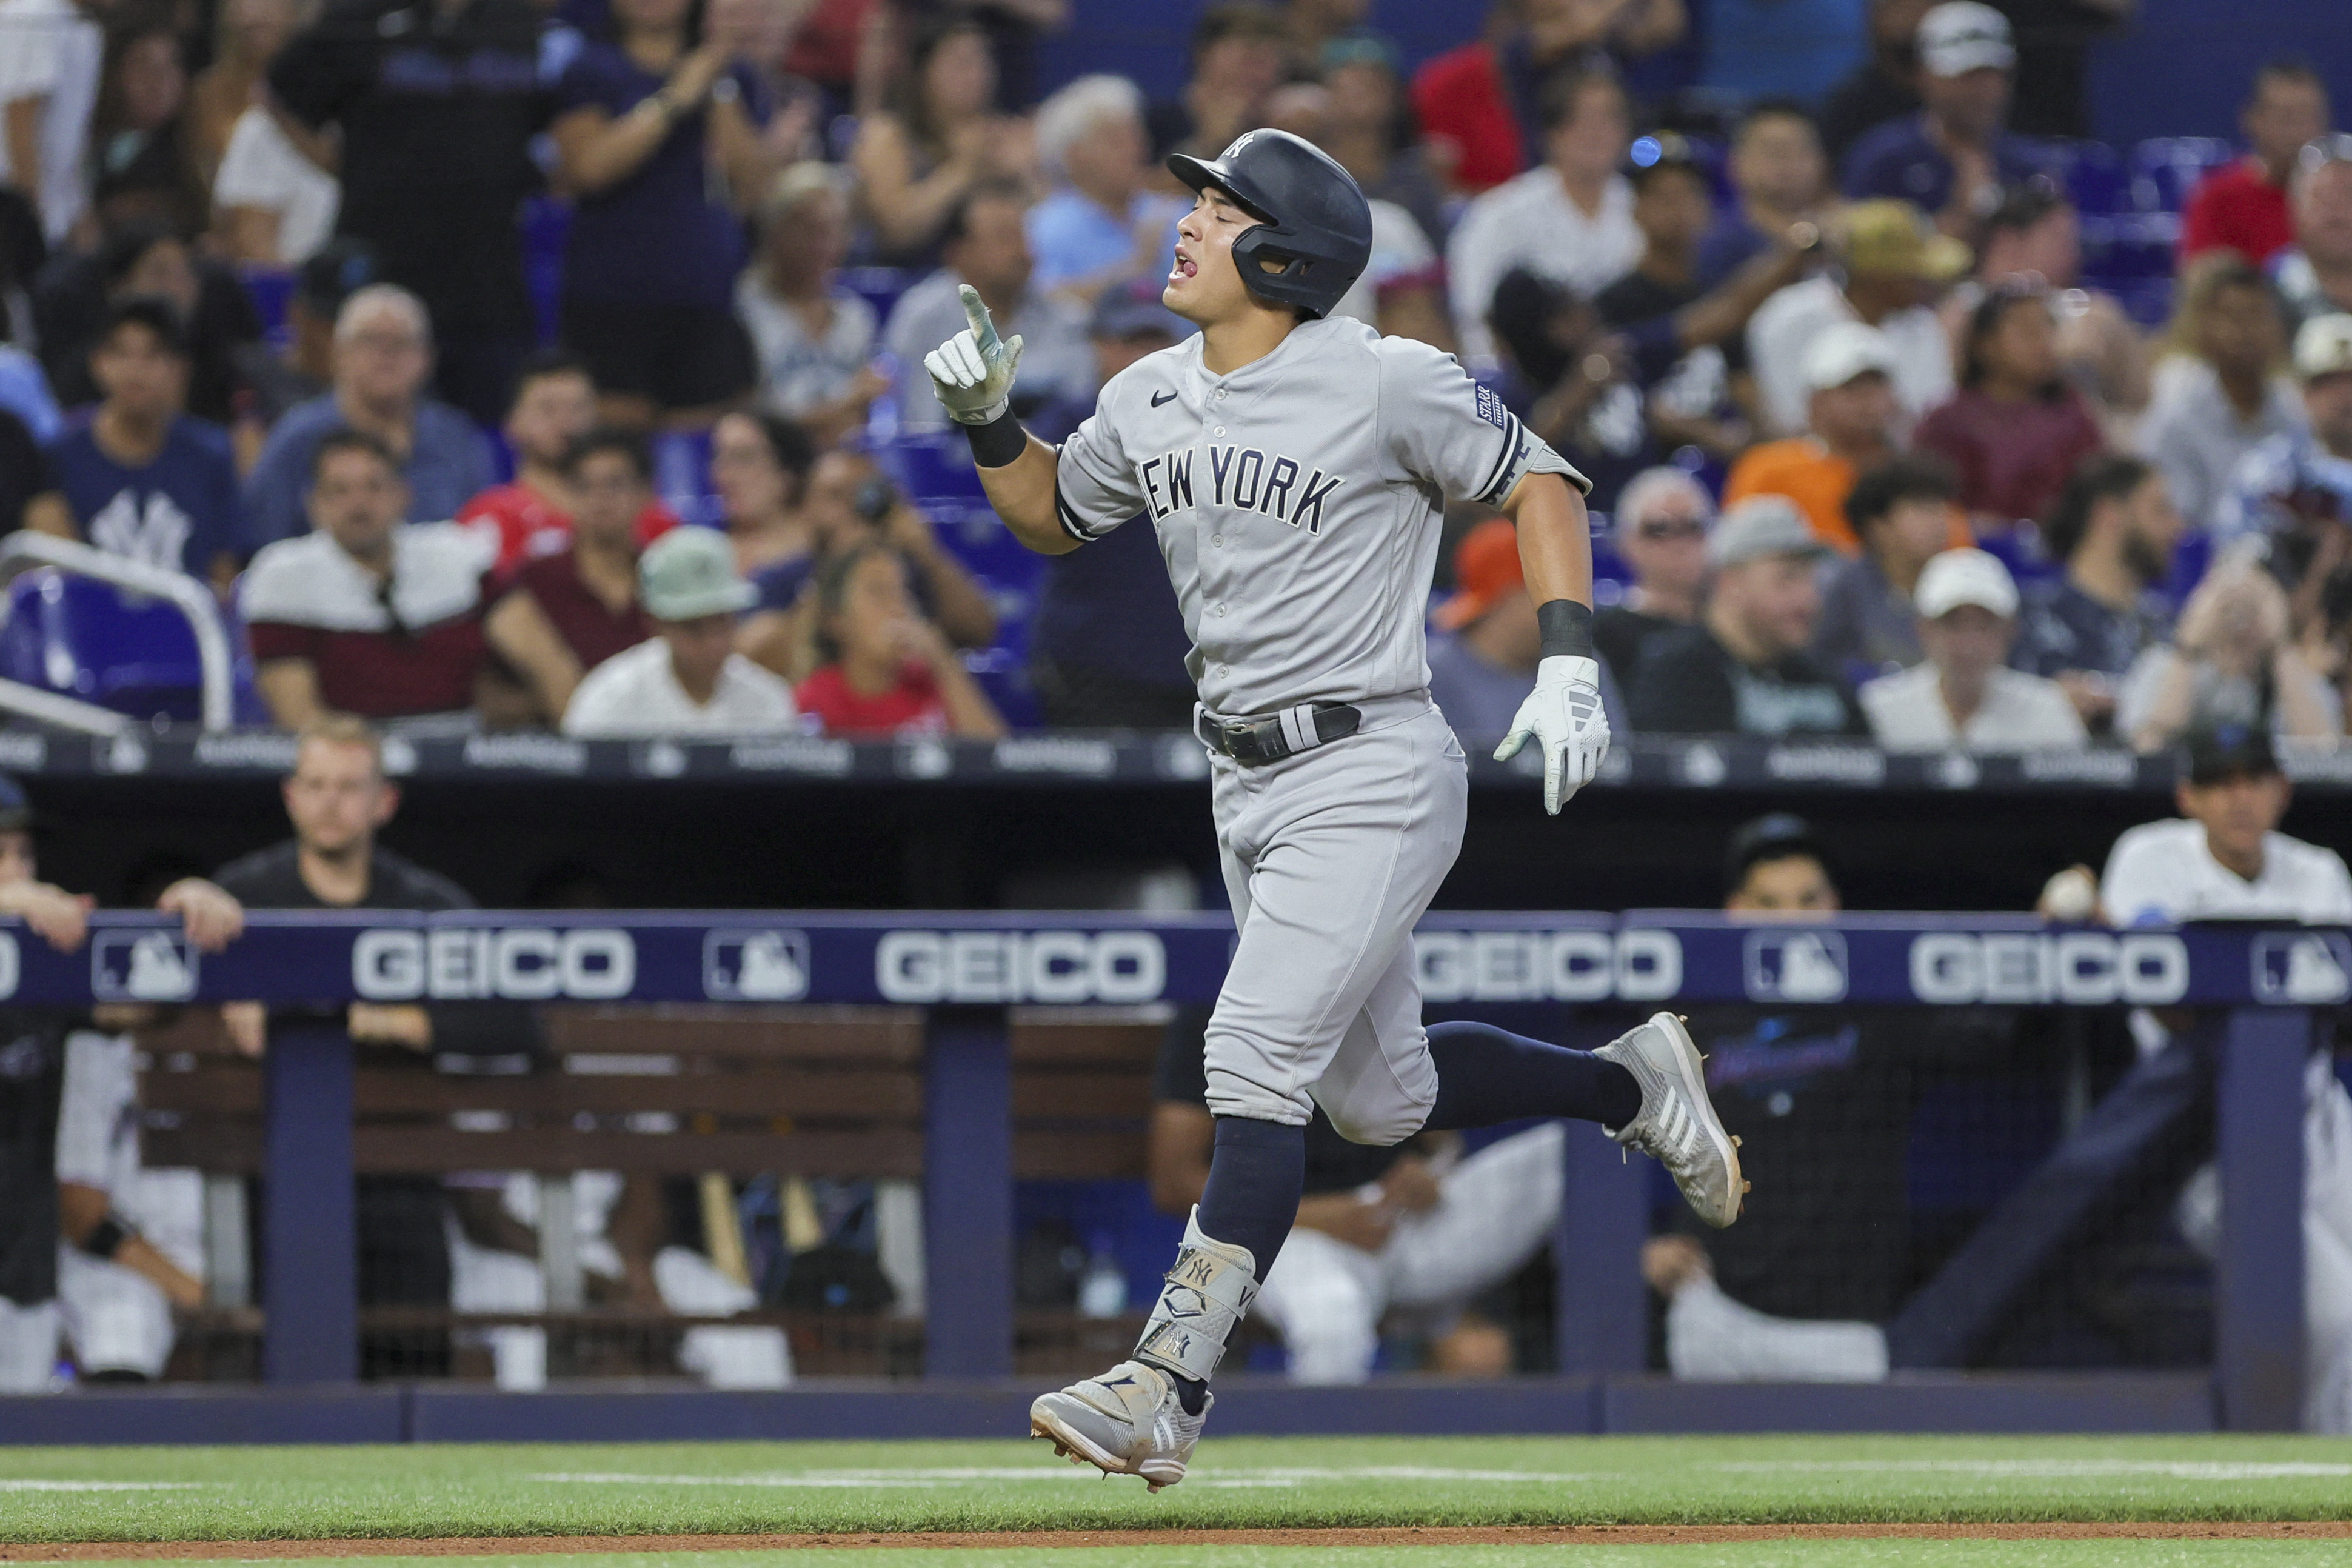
[(984, 331)]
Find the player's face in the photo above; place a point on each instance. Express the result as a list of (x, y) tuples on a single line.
[(609, 493), (17, 862), (336, 798), (1204, 285), (1793, 887), (2235, 812), (552, 413), (137, 373), (2328, 401)]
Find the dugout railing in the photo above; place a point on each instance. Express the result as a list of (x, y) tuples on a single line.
[(2258, 993)]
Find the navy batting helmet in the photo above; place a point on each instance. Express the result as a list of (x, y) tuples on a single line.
[(1311, 217)]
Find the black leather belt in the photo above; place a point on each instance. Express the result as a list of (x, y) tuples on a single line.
[(1254, 742)]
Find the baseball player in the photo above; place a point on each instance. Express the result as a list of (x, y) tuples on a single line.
[(1294, 467)]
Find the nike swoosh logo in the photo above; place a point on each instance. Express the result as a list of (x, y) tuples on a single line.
[(1159, 398)]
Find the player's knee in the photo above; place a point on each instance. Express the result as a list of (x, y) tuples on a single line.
[(1392, 1120), (1240, 1093)]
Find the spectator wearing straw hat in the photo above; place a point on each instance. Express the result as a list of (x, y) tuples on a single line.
[(687, 679)]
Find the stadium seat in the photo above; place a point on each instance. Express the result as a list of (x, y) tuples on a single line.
[(879, 286), (270, 291), (682, 475), (546, 224), (122, 651), (2165, 169)]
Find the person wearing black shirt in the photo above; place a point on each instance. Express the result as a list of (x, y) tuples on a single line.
[(336, 798), (1412, 1227), (438, 102), (1659, 531), (24, 471), (1883, 88), (1743, 668)]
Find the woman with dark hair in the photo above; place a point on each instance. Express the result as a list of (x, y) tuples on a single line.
[(140, 166), (662, 137), (2015, 430), (940, 136), (143, 258), (760, 467), (886, 670)]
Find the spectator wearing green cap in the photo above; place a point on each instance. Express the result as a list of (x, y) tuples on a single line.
[(687, 679)]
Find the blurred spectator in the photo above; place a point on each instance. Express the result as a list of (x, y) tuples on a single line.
[(1316, 24), (659, 137), (136, 476), (2219, 390), (1851, 416), (1895, 264), (24, 474), (2113, 530), (560, 615), (554, 405), (2315, 275), (364, 614), (274, 199), (1402, 287), (688, 679), (1964, 695), (337, 270), (2034, 240), (51, 55), (2015, 430), (2295, 487), (1483, 106), (1659, 530), (437, 124), (760, 467), (1954, 156), (140, 163), (814, 340), (1484, 645), (1568, 221), (1902, 512), (940, 139), (2243, 207), (141, 257), (1780, 179), (383, 352), (987, 247), (2053, 55), (246, 36), (1884, 89), (1107, 645), (1575, 383), (1770, 48), (2232, 660), (1743, 668), (886, 670), (1239, 51), (1099, 226), (1365, 132), (1688, 346)]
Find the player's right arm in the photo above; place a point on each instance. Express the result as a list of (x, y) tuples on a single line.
[(1021, 491)]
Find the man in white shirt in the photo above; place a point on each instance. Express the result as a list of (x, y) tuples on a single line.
[(1568, 221), (688, 679), (2224, 859), (1964, 695), (1895, 266), (50, 54)]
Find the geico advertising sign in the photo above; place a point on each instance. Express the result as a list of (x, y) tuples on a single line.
[(1020, 966), (517, 963), (2145, 968), (1579, 964)]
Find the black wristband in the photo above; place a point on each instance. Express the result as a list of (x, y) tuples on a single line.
[(999, 442), (1567, 628), (107, 1236)]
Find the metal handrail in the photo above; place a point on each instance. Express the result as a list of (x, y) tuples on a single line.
[(190, 598)]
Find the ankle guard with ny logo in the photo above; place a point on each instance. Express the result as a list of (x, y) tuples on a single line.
[(1208, 1291)]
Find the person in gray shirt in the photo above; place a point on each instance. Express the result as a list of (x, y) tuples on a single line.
[(1902, 512)]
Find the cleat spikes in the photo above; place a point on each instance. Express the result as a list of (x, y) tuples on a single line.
[(1735, 1140)]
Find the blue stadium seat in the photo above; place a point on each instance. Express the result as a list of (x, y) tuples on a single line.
[(121, 651), (935, 472), (879, 286), (2165, 169), (546, 224), (271, 291), (682, 475), (2096, 180)]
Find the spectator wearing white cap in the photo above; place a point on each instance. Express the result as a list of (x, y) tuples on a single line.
[(1743, 668), (1955, 155), (1850, 422), (687, 679), (1964, 695)]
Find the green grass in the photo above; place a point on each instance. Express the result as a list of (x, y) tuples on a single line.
[(237, 1493), (1745, 1555)]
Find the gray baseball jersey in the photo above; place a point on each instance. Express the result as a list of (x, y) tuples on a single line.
[(1298, 502)]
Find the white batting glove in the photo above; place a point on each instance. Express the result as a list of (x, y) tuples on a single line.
[(972, 372), (1563, 713)]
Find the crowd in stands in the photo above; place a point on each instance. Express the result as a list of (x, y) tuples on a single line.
[(388, 320)]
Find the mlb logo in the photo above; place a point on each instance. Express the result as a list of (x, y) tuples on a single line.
[(2303, 968), (1796, 966), (142, 966), (755, 965)]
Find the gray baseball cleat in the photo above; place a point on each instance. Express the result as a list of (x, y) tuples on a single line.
[(1128, 1422), (1677, 1125)]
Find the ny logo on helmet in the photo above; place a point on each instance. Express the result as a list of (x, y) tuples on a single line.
[(1244, 140)]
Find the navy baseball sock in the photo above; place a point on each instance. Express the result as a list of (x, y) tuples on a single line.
[(1486, 1076), (1257, 1174)]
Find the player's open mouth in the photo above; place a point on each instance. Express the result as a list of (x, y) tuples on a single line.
[(1185, 267)]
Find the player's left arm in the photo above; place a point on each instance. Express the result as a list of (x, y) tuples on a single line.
[(1563, 715)]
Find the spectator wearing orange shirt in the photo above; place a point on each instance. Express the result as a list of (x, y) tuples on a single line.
[(1850, 427), (553, 406), (886, 670), (2243, 207)]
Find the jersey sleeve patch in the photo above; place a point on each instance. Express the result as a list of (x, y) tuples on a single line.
[(1491, 410)]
